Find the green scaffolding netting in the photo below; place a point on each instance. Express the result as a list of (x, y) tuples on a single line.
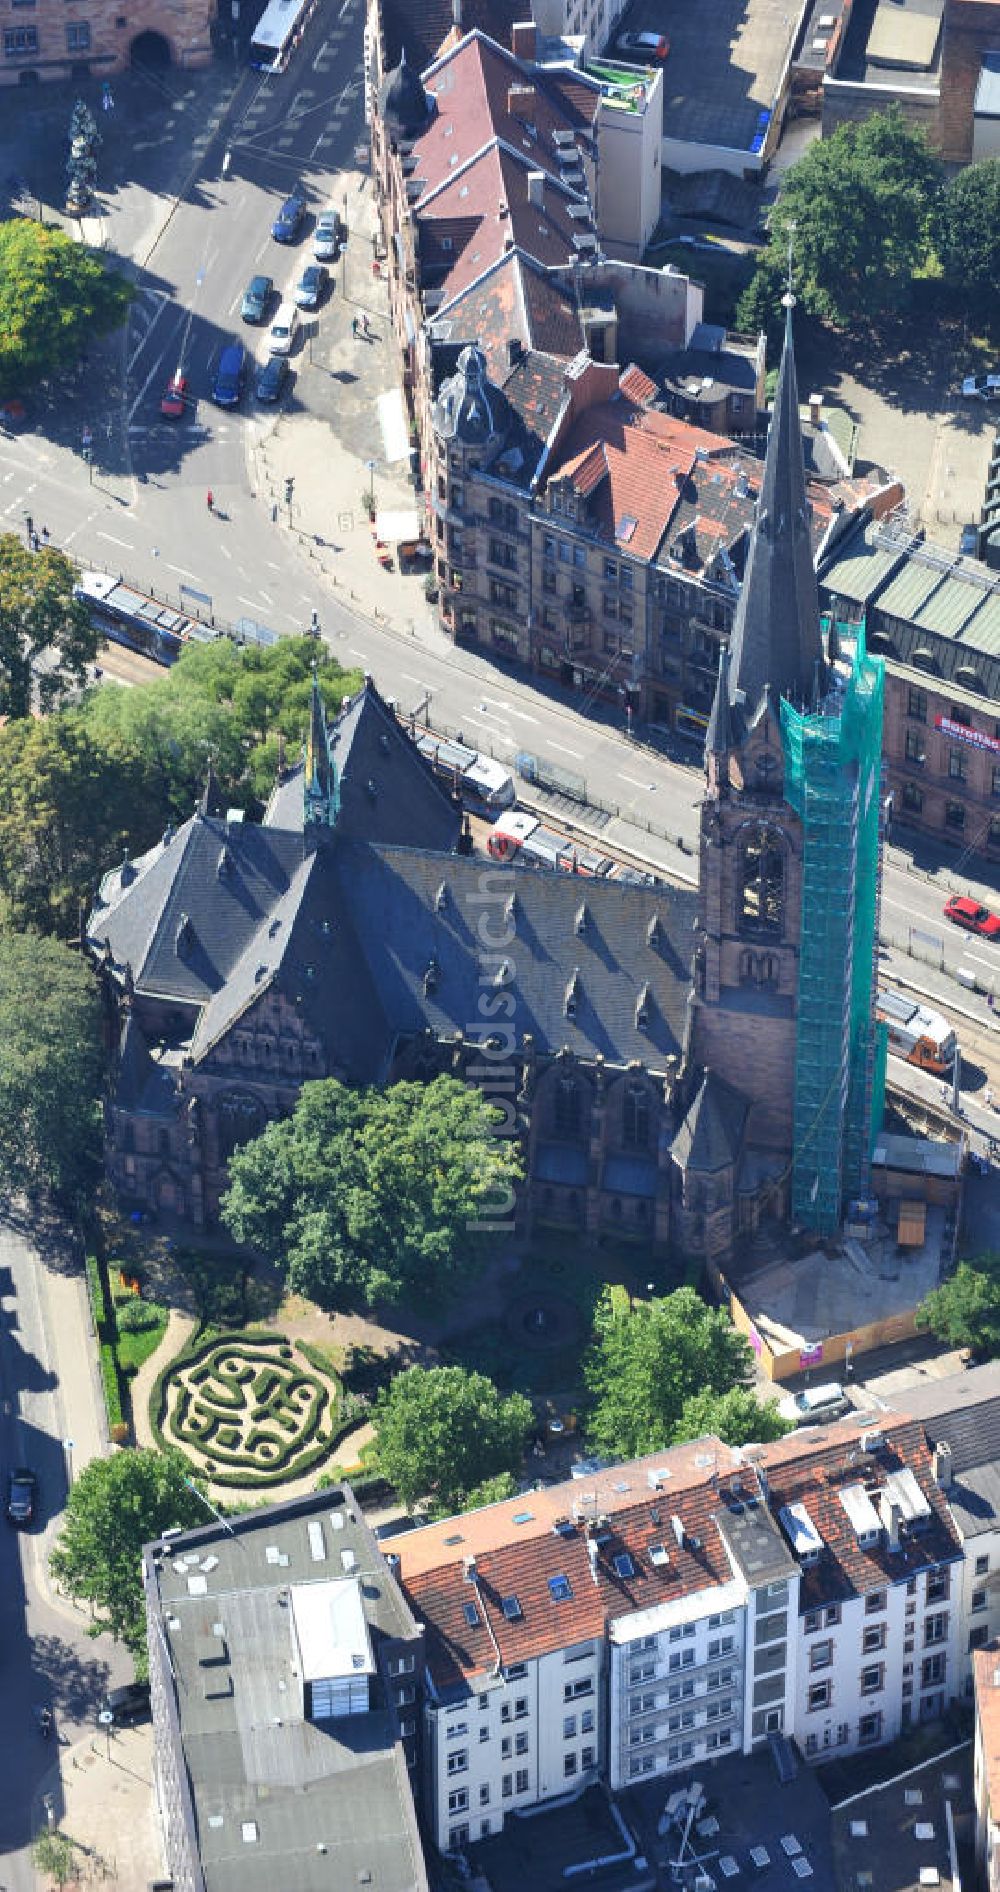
[(832, 777)]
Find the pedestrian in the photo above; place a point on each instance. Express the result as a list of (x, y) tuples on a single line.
[(211, 499), (35, 542), (354, 326), (29, 526), (364, 324), (45, 534), (990, 1000), (988, 1098)]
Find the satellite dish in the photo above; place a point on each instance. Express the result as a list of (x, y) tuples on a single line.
[(106, 1718)]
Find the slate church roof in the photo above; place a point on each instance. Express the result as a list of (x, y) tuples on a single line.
[(371, 925)]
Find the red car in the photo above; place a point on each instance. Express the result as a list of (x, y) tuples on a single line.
[(175, 396), (968, 913)]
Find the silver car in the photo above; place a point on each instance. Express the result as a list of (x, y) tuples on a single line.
[(326, 237)]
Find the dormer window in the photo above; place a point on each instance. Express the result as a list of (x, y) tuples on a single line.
[(504, 973), (441, 898), (643, 1008), (431, 975), (571, 996), (580, 918)]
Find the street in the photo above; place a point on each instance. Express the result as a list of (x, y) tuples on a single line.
[(49, 1660)]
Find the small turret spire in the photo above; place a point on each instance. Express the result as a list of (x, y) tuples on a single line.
[(321, 788)]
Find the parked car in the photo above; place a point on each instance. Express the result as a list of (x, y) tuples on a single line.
[(327, 236), (281, 333), (288, 222), (650, 45), (968, 544), (963, 911), (271, 379), (311, 286), (21, 1489), (174, 398), (227, 388), (815, 1405), (256, 297), (13, 413), (122, 1706), (981, 387)]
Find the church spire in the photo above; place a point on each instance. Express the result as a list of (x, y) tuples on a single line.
[(718, 735), (320, 785), (776, 648)]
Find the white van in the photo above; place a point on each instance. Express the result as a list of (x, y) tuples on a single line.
[(815, 1404), (282, 331)]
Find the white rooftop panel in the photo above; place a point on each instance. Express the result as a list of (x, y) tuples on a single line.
[(860, 1509), (331, 1633), (904, 1488), (800, 1530)]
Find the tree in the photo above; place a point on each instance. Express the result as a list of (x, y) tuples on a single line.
[(50, 1067), (965, 1310), (737, 1417), (53, 1853), (46, 636), (72, 801), (364, 1196), (55, 297), (115, 1507), (646, 1360), (441, 1432), (968, 234), (859, 207)]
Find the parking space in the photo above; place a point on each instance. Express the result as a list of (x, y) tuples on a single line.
[(724, 67)]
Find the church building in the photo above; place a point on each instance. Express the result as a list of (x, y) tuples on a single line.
[(678, 1066)]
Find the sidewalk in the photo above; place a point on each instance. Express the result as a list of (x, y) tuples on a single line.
[(102, 1794)]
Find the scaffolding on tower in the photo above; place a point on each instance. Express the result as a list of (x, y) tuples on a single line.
[(832, 776)]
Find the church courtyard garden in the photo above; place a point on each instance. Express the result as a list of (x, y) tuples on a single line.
[(248, 1410)]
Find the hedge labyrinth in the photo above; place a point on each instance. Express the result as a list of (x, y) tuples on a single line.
[(246, 1413)]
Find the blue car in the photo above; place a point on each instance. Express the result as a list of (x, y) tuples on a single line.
[(227, 388), (288, 222)]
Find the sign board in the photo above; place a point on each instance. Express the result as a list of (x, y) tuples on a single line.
[(200, 597), (973, 738)]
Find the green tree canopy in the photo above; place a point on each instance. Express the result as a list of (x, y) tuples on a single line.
[(968, 234), (105, 777), (115, 1507), (965, 1310), (50, 1067), (737, 1418), (363, 1196), (443, 1433), (647, 1360), (55, 297), (46, 637), (860, 207)]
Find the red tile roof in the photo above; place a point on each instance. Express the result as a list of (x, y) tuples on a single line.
[(520, 1545), (472, 85), (514, 301), (423, 30), (637, 386), (486, 200)]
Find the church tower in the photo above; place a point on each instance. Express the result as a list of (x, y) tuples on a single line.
[(789, 867)]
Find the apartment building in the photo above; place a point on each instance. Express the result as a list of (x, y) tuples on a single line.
[(658, 1614), (986, 1766), (935, 618)]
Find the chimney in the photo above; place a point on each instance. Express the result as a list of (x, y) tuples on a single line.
[(536, 188), (942, 1465), (456, 13), (891, 1514), (524, 40), (592, 1558), (815, 410), (515, 349)]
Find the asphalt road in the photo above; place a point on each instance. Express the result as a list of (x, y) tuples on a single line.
[(48, 1658)]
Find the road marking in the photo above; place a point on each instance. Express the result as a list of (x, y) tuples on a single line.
[(252, 602), (266, 599), (271, 566), (561, 746), (127, 543), (226, 553), (635, 781), (410, 678), (137, 351)]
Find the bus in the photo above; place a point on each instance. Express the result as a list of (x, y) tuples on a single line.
[(483, 783), (916, 1033), (277, 33)]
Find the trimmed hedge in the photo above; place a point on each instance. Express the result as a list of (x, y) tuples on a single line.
[(112, 1392), (98, 1302), (294, 1401)]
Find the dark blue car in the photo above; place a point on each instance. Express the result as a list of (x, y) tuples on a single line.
[(288, 222)]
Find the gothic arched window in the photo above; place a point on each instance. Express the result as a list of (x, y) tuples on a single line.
[(635, 1117), (567, 1110), (762, 882), (241, 1117)]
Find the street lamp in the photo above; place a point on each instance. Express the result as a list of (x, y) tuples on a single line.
[(370, 464), (69, 1447)]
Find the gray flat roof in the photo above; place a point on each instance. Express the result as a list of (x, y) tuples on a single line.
[(280, 1800), (724, 68)]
